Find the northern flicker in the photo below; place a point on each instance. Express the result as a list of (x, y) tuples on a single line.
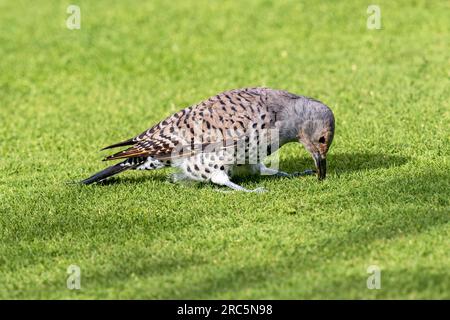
[(238, 128)]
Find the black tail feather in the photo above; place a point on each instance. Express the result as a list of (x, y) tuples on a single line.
[(108, 172), (120, 144)]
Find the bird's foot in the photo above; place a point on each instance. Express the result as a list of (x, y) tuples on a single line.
[(257, 190), (237, 187), (308, 172), (283, 174)]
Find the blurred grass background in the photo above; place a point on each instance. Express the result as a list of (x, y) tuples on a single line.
[(64, 94)]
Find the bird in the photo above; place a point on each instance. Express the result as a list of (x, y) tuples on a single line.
[(228, 133)]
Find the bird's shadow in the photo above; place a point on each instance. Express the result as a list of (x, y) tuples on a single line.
[(338, 164), (132, 179), (349, 162)]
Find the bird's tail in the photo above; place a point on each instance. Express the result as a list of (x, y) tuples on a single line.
[(108, 172)]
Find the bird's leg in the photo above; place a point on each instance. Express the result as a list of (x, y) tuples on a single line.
[(222, 179), (263, 170), (269, 171)]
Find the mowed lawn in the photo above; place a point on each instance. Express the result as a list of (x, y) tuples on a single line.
[(65, 94)]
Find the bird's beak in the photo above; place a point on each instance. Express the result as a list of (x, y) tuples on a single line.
[(321, 165)]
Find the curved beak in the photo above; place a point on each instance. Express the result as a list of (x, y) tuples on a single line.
[(321, 165)]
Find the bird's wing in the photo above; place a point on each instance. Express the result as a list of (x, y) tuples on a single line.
[(219, 122)]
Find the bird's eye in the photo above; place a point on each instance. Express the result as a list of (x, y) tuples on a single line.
[(322, 140)]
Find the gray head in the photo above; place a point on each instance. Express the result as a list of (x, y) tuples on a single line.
[(307, 121), (315, 130)]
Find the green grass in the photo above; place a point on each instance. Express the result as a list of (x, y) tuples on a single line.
[(65, 94)]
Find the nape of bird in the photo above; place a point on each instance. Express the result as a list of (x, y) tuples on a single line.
[(234, 130)]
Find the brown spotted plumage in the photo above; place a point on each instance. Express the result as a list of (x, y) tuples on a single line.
[(209, 140)]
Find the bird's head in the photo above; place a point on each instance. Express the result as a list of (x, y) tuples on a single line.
[(316, 133)]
